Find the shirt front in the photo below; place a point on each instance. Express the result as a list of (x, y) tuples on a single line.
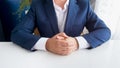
[(61, 15)]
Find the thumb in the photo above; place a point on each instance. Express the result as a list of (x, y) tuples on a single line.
[(63, 35), (60, 37)]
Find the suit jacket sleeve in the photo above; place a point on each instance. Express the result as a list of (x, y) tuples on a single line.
[(23, 32), (98, 31)]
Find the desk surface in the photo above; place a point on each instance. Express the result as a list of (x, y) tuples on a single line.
[(104, 56)]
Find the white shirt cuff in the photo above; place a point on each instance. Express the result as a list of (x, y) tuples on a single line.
[(41, 44), (82, 42)]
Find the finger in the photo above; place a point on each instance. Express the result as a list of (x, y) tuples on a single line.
[(60, 37), (62, 43), (62, 34), (66, 52), (63, 51)]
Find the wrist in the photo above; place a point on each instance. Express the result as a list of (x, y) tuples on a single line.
[(47, 45), (77, 44)]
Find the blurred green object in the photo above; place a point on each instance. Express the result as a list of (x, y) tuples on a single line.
[(11, 13), (25, 4)]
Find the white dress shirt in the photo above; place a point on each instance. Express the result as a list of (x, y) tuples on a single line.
[(61, 18)]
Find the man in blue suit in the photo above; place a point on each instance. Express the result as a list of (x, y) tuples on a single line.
[(60, 23)]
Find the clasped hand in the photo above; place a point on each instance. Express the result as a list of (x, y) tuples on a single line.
[(61, 44)]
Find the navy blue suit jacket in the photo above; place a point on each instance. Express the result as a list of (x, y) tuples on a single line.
[(42, 15)]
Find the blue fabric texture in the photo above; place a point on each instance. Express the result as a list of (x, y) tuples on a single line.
[(42, 15), (9, 17)]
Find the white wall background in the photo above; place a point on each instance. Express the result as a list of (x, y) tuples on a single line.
[(109, 12)]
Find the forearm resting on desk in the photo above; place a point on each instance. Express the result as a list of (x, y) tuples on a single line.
[(61, 44)]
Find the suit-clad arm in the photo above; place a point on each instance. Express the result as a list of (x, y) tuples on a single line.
[(98, 31), (23, 33)]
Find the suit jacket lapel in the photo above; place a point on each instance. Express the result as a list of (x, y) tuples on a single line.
[(72, 13), (51, 15)]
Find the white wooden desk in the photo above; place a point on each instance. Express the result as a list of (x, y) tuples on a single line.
[(105, 56)]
